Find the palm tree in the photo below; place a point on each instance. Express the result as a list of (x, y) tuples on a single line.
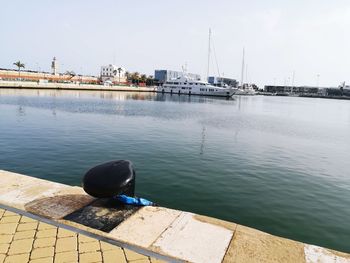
[(119, 70), (143, 78), (114, 73), (20, 65), (135, 77), (127, 75), (150, 80)]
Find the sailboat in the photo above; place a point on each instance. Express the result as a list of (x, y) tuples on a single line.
[(244, 89)]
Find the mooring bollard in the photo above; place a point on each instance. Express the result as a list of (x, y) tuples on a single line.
[(114, 180), (110, 179)]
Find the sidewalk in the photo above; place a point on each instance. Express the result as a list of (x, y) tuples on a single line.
[(23, 239)]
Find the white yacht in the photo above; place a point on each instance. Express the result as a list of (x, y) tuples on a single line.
[(187, 86), (245, 90)]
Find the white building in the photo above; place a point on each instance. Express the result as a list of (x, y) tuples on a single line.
[(113, 73)]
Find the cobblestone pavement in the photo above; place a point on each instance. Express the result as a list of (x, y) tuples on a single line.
[(23, 239)]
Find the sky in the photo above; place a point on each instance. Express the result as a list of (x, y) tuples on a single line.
[(309, 39)]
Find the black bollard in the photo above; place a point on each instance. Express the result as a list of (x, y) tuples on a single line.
[(110, 179)]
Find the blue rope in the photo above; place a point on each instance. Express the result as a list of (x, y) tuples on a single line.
[(128, 200)]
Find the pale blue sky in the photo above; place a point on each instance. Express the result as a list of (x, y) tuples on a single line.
[(309, 37)]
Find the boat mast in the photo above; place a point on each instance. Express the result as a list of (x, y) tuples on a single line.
[(242, 76), (208, 54)]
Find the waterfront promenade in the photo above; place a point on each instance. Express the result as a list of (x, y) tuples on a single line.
[(71, 86), (37, 224)]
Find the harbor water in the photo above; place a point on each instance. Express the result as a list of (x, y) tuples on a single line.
[(279, 164)]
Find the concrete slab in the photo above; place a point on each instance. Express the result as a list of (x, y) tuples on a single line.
[(56, 207), (315, 254), (145, 226), (214, 221), (250, 245), (17, 190), (193, 240)]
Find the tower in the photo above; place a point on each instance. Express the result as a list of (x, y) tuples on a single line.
[(54, 66)]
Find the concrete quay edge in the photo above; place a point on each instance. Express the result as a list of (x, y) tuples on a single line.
[(67, 86), (167, 234)]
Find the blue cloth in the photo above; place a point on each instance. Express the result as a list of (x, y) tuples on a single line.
[(128, 200)]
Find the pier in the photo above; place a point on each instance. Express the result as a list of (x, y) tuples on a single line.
[(43, 221)]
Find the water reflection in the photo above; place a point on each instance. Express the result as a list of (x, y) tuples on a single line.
[(112, 95), (201, 152)]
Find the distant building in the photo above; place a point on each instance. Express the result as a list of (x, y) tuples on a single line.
[(164, 75), (113, 73), (292, 89), (31, 75), (218, 81)]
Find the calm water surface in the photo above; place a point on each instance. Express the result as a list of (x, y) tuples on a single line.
[(278, 164)]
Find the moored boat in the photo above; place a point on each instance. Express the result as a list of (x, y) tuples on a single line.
[(187, 86)]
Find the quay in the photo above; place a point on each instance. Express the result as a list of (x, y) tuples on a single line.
[(43, 221), (71, 86)]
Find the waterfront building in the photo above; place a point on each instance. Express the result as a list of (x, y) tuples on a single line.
[(218, 81), (113, 74), (163, 75)]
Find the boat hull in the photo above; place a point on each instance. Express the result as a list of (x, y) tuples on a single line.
[(226, 93)]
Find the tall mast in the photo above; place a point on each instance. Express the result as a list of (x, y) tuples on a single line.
[(242, 76), (208, 54)]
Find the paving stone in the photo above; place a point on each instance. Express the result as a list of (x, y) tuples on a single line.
[(4, 248), (106, 246), (131, 255), (24, 234), (145, 226), (46, 233), (42, 260), (26, 219), (207, 242), (8, 228), (90, 257), (66, 244), (21, 246), (44, 226), (44, 242), (141, 261), (250, 245), (5, 239), (115, 255), (42, 252), (65, 233), (9, 213), (10, 219), (27, 226), (85, 239), (89, 247), (2, 257), (65, 257), (17, 258)]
